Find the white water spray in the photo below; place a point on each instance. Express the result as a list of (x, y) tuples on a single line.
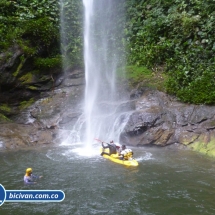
[(102, 56), (104, 115)]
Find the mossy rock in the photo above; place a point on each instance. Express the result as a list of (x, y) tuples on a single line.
[(22, 61), (186, 137), (24, 104), (27, 78), (5, 108), (33, 88), (203, 146), (3, 118)]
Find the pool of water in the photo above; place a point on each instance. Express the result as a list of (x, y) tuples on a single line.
[(168, 181)]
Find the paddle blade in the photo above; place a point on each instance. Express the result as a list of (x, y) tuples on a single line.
[(98, 140)]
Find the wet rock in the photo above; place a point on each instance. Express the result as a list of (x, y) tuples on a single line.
[(155, 118), (15, 135), (159, 119)]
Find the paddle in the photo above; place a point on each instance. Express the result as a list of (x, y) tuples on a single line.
[(100, 141)]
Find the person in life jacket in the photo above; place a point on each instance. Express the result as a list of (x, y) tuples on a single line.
[(111, 146), (29, 178), (125, 154)]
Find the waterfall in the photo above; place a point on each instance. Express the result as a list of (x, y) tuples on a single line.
[(102, 55), (104, 114)]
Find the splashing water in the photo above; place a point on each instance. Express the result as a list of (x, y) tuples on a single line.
[(102, 56)]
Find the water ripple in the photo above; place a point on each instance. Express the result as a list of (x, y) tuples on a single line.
[(147, 156)]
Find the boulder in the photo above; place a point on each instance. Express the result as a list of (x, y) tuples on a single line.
[(159, 119)]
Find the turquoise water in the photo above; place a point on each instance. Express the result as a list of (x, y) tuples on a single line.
[(167, 181)]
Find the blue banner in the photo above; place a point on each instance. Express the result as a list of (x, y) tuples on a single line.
[(30, 195), (2, 195), (34, 196)]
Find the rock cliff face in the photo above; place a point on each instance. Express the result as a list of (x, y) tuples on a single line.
[(55, 105), (160, 120), (22, 82), (34, 103), (55, 112)]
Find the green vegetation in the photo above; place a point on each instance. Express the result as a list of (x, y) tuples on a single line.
[(203, 146), (172, 42), (36, 25), (5, 108), (46, 63), (27, 78), (28, 23), (4, 118), (32, 88), (25, 104), (40, 32), (72, 33), (22, 61), (135, 74), (177, 35), (142, 76)]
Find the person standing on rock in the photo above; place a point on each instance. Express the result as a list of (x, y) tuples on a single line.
[(29, 178)]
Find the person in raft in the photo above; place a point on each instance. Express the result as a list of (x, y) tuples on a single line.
[(124, 153), (29, 178), (112, 148)]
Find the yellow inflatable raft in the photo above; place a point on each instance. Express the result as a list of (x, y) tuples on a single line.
[(115, 158)]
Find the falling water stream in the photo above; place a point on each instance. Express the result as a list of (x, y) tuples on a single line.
[(102, 55)]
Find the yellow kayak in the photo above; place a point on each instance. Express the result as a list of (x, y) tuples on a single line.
[(115, 158)]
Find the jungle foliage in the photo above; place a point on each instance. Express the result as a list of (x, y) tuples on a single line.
[(177, 35), (36, 25), (71, 13), (29, 24)]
